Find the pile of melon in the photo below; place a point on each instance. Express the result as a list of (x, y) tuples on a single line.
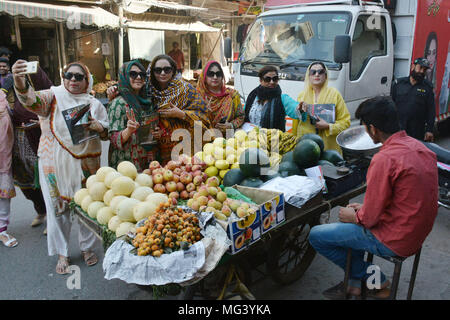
[(119, 198)]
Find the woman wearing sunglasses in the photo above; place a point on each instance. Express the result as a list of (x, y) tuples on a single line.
[(224, 103), (316, 91), (128, 113), (62, 163), (178, 103), (266, 106)]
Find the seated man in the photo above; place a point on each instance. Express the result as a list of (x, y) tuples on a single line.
[(400, 204)]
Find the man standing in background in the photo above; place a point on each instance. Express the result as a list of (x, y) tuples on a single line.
[(177, 55)]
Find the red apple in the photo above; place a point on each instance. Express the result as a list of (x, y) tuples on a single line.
[(204, 176), (158, 178), (188, 167), (184, 159), (159, 188), (154, 165), (174, 194), (168, 175), (180, 186), (186, 178), (197, 173), (174, 201), (171, 165), (197, 180), (213, 181), (158, 171), (191, 194), (176, 178), (196, 167), (177, 171), (184, 195), (190, 187), (171, 186)]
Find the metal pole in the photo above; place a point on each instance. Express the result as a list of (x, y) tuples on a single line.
[(120, 58), (62, 44)]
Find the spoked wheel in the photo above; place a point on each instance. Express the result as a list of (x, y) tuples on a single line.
[(291, 254)]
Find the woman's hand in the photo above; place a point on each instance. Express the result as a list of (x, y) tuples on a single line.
[(224, 126), (322, 124), (157, 133), (95, 125), (173, 112), (19, 79), (132, 124), (112, 92), (302, 106)]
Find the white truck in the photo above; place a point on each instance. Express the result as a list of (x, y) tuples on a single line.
[(364, 44)]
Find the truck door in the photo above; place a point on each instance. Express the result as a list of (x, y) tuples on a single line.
[(371, 66)]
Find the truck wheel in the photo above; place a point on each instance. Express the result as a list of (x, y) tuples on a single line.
[(291, 254)]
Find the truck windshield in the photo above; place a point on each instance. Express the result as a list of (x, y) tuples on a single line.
[(294, 39)]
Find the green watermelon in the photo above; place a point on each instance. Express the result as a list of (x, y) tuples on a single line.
[(288, 156), (332, 156), (251, 182), (232, 177), (251, 162), (290, 168), (316, 138), (306, 153), (322, 162)]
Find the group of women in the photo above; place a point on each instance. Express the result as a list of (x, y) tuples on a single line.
[(153, 100)]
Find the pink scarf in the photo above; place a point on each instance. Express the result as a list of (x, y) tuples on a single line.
[(6, 135)]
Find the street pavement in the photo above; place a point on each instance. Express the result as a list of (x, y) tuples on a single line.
[(27, 272)]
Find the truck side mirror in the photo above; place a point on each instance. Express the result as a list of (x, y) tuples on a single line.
[(227, 48), (342, 48)]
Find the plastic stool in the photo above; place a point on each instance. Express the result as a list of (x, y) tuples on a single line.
[(397, 261)]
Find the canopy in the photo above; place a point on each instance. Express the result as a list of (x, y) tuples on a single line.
[(174, 24), (288, 3), (73, 15)]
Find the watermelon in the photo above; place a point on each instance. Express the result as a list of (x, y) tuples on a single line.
[(316, 138), (232, 177), (306, 153), (288, 156), (332, 156), (270, 177), (251, 182), (322, 162), (290, 168), (251, 162)]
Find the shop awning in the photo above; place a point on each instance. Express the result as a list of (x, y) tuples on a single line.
[(171, 24), (73, 15)]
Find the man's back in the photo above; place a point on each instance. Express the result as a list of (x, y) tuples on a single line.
[(401, 199)]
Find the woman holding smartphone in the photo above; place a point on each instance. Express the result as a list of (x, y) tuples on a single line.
[(223, 103), (63, 164)]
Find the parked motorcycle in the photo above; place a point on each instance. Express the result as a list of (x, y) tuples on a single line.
[(443, 164)]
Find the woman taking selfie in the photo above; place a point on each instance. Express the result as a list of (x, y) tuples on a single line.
[(224, 103), (317, 92), (62, 163), (126, 113)]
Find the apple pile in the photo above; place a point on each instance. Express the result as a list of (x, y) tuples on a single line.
[(210, 198), (179, 178)]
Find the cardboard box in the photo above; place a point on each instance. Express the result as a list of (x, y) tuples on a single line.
[(249, 229)]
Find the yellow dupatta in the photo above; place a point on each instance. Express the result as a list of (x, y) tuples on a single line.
[(327, 95)]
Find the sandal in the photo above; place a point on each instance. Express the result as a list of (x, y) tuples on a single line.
[(62, 267), (89, 257), (337, 292), (38, 220), (11, 242)]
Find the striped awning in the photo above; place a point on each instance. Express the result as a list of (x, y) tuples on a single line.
[(73, 15)]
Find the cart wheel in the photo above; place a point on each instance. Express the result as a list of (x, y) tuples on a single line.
[(291, 254)]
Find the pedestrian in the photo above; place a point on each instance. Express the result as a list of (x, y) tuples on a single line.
[(126, 113), (6, 80), (177, 55), (7, 190), (317, 91), (414, 98), (27, 133), (62, 163), (224, 103), (266, 105), (179, 106), (400, 204)]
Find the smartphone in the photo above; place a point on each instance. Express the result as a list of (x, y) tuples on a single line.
[(32, 67)]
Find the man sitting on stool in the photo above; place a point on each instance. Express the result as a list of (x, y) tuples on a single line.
[(400, 204)]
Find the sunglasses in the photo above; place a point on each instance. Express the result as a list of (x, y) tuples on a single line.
[(268, 79), (319, 72), (135, 74), (211, 74), (78, 76), (166, 70)]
